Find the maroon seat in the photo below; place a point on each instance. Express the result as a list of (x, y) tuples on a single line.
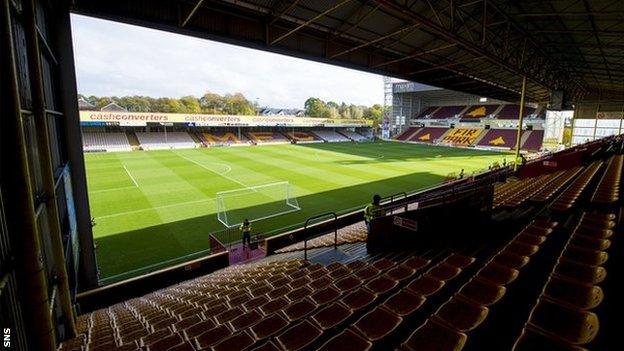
[(511, 260), (459, 261), (381, 285), (165, 343), (521, 249), (255, 302), (580, 272), (268, 346), (331, 316), (426, 286), (235, 342), (347, 283), (575, 294), (585, 256), (532, 340), (433, 336), (383, 264), (572, 325), (416, 262), (157, 335), (482, 292), (245, 320), (273, 305), (299, 293), (358, 299), (404, 303), (212, 336), (346, 341), (462, 314), (325, 295), (185, 346), (401, 273), (299, 309), (339, 272), (228, 315), (198, 328), (269, 326), (498, 274), (443, 271), (299, 282), (355, 265), (531, 239), (377, 324), (299, 337), (366, 273), (320, 283)]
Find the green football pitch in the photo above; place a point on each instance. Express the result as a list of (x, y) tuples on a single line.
[(152, 208)]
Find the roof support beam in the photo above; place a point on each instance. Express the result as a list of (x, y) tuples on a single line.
[(188, 17), (382, 38), (320, 15)]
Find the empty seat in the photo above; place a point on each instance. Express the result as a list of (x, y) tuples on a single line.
[(269, 326), (585, 256), (299, 309), (367, 273), (426, 286), (416, 262), (594, 232), (498, 274), (404, 303), (531, 340), (355, 265), (575, 294), (575, 326), (580, 272), (346, 341), (434, 336), (228, 315), (197, 329), (299, 337), (331, 316), (235, 342), (299, 293), (482, 291), (589, 242), (245, 320), (511, 260), (381, 285), (325, 295), (530, 239), (521, 249), (377, 324), (165, 343), (401, 273), (443, 271), (462, 314), (358, 299), (268, 346), (255, 302), (273, 305), (459, 261), (383, 264), (320, 283), (347, 283), (212, 336)]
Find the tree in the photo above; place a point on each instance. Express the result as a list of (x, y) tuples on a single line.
[(212, 103), (315, 107), (190, 104)]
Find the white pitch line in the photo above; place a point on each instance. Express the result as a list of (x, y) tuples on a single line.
[(113, 189), (156, 208), (131, 177), (213, 171)]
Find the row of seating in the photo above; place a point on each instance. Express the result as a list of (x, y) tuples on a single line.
[(568, 197), (99, 141), (529, 187), (549, 190), (347, 235), (469, 307), (608, 190), (562, 318)]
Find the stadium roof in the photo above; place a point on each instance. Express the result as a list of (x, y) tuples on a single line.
[(482, 47)]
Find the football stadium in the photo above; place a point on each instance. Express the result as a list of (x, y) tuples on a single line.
[(481, 211)]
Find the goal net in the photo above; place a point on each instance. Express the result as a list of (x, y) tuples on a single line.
[(255, 203)]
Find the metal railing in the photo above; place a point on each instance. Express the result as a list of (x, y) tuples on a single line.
[(305, 228)]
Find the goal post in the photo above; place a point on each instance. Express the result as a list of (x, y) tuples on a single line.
[(255, 203)]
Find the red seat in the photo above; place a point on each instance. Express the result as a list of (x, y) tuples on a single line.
[(348, 283), (298, 293), (498, 274), (482, 292), (273, 305), (366, 273), (433, 336), (404, 303), (325, 296), (165, 343), (228, 315), (580, 272), (377, 324), (416, 262), (320, 283), (462, 314), (268, 346), (268, 326), (331, 316), (212, 336), (532, 340), (346, 341), (235, 342), (198, 328), (255, 303), (426, 286), (299, 309), (511, 260), (401, 273), (575, 294), (299, 337), (459, 261), (381, 285), (359, 299), (574, 326), (443, 271), (245, 320), (383, 264)]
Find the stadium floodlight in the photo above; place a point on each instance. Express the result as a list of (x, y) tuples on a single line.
[(255, 203)]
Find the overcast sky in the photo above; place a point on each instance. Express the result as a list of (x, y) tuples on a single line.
[(120, 59)]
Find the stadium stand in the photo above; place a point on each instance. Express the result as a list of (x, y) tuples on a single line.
[(407, 133), (330, 135), (353, 135), (429, 135), (480, 111), (267, 137), (426, 113), (222, 138), (445, 112), (461, 136), (503, 138), (512, 111), (534, 141), (303, 137), (100, 141), (169, 140)]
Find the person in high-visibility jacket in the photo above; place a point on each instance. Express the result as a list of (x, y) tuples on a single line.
[(373, 210), (245, 229)]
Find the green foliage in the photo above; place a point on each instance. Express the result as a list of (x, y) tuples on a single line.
[(316, 107)]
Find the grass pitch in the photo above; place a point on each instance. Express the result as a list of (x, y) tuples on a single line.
[(153, 207)]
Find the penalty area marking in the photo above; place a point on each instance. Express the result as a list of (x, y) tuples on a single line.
[(156, 208), (213, 171), (131, 177), (113, 189)]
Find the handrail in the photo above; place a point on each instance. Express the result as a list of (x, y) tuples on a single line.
[(3, 281), (305, 228), (53, 299)]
